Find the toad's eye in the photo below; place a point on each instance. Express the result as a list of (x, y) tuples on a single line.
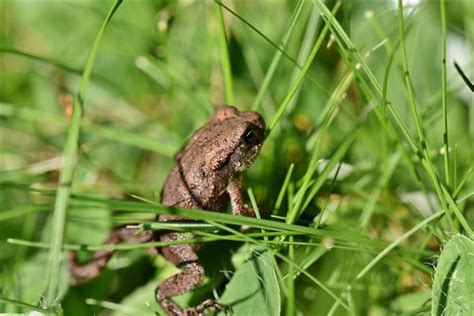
[(250, 138)]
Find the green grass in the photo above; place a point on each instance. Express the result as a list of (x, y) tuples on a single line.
[(66, 172), (364, 177)]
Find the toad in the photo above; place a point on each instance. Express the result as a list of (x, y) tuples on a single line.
[(206, 175)]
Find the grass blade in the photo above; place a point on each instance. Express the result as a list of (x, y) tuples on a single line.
[(335, 159), (416, 116), (155, 208), (290, 302), (302, 73), (303, 53), (67, 170), (281, 195), (397, 242), (444, 97), (225, 58), (277, 57)]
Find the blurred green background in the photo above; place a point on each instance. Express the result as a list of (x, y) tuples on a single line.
[(158, 77)]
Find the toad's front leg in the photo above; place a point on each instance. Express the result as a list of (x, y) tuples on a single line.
[(235, 193), (185, 258)]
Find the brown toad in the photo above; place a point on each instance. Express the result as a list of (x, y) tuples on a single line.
[(207, 173)]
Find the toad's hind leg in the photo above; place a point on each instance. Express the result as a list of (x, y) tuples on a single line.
[(191, 275), (81, 273)]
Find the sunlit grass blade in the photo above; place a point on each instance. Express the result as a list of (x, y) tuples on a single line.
[(457, 212), (202, 236), (318, 219), (355, 62), (67, 170), (329, 16), (155, 208), (277, 57), (225, 58), (290, 302), (409, 84), (301, 75), (283, 189), (444, 97), (416, 117), (303, 54), (298, 63), (275, 45), (379, 29), (463, 181), (397, 242), (327, 117), (331, 164)]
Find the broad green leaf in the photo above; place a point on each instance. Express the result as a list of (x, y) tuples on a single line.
[(254, 289), (453, 289)]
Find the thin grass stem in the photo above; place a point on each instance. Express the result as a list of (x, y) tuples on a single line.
[(290, 281), (444, 92), (416, 116), (302, 73), (283, 189), (225, 58), (277, 57)]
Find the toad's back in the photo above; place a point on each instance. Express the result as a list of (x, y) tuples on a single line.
[(214, 155)]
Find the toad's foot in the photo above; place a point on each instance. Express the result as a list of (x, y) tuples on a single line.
[(173, 309), (201, 308)]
